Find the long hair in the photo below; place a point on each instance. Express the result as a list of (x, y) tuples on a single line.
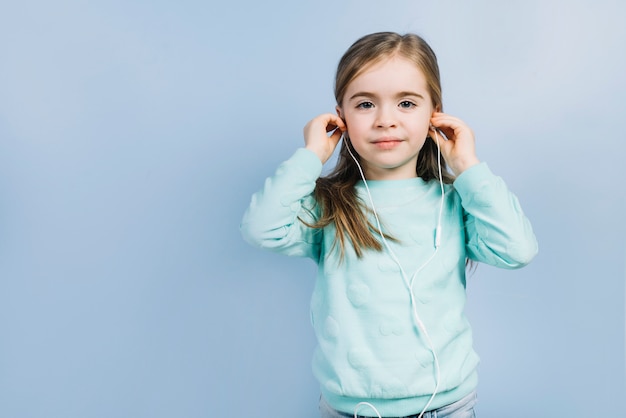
[(335, 193)]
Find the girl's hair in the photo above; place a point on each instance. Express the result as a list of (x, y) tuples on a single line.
[(335, 193)]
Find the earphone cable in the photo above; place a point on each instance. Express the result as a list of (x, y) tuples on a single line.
[(409, 283)]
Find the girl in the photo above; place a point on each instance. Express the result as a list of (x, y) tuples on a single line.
[(391, 230)]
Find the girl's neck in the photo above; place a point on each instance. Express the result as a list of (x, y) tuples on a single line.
[(389, 174)]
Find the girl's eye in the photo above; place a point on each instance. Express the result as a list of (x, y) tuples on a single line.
[(406, 104), (365, 105)]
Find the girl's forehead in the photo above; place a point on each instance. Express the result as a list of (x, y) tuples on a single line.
[(389, 73), (395, 56)]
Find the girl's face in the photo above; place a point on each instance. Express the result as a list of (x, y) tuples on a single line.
[(387, 110)]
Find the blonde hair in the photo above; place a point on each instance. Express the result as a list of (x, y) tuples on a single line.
[(335, 193)]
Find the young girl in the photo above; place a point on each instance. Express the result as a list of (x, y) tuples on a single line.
[(392, 232)]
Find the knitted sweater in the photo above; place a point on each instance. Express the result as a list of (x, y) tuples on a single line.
[(369, 345)]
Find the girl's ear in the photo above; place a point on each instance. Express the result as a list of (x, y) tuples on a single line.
[(339, 113)]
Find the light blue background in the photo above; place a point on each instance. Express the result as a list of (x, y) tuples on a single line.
[(132, 134)]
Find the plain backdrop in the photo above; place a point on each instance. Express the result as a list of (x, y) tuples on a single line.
[(133, 133)]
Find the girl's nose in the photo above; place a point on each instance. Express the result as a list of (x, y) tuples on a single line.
[(385, 118)]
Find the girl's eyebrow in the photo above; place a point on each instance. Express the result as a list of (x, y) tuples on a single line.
[(362, 94), (373, 95), (410, 93)]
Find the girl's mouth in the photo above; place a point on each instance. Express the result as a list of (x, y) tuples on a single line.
[(387, 143)]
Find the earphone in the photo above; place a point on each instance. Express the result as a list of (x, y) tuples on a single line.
[(438, 132), (409, 283)]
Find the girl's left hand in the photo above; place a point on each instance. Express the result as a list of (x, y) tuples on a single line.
[(459, 150)]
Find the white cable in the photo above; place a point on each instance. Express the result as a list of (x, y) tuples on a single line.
[(437, 243), (408, 283), (356, 408)]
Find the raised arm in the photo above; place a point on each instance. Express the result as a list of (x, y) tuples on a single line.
[(497, 231), (274, 218)]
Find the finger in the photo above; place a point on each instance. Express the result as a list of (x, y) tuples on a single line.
[(333, 122), (442, 120), (333, 125), (452, 127), (336, 136)]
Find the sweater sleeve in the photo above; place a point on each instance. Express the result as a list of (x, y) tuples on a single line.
[(497, 231), (274, 218)]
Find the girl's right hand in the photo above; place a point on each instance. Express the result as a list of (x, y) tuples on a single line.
[(316, 136)]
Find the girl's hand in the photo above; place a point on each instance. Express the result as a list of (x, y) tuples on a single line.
[(316, 136), (458, 151)]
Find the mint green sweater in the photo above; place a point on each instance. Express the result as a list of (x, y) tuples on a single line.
[(369, 348)]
